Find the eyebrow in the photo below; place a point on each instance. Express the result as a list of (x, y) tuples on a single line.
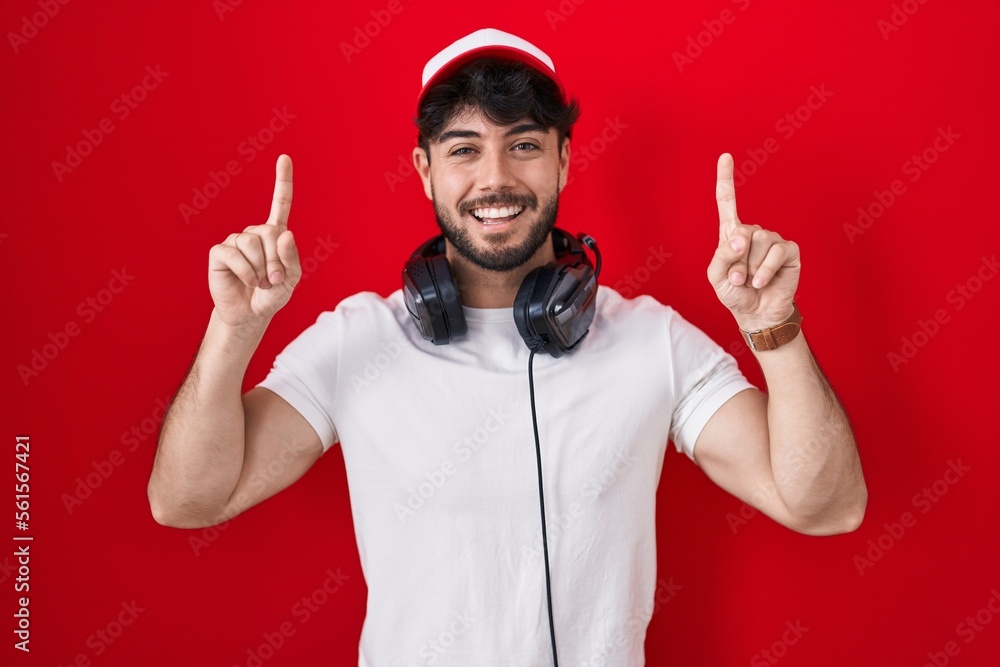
[(472, 134)]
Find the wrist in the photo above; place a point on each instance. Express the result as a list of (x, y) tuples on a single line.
[(234, 341), (766, 334), (758, 321), (249, 329)]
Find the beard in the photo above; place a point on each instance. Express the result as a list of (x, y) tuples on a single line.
[(500, 256)]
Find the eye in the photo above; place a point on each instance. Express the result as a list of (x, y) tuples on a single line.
[(527, 145), (459, 151)]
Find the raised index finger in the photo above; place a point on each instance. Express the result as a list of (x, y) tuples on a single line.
[(282, 201), (725, 196)]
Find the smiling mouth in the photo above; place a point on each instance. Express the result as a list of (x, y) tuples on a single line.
[(496, 215)]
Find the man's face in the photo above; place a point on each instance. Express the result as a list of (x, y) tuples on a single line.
[(495, 188)]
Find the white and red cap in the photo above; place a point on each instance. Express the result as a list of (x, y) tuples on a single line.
[(484, 43)]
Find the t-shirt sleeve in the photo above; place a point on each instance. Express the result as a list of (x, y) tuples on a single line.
[(305, 374), (705, 376)]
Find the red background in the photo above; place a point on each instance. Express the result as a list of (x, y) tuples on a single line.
[(652, 185)]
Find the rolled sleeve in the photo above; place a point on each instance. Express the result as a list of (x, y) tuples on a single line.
[(304, 375), (705, 377)]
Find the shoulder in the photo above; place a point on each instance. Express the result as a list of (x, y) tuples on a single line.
[(357, 325), (645, 318), (365, 320), (642, 310), (366, 307)]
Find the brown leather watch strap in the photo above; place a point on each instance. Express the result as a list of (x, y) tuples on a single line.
[(776, 336)]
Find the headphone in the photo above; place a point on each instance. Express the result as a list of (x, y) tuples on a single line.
[(553, 309)]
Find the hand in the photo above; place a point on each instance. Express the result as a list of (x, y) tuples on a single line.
[(251, 274), (754, 271)]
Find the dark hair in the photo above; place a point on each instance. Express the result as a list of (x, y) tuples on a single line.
[(504, 90)]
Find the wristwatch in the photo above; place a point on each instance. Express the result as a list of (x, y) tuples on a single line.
[(776, 336)]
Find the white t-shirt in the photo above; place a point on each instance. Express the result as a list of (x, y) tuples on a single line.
[(440, 460)]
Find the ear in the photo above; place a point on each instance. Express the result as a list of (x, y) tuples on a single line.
[(421, 162), (564, 165)]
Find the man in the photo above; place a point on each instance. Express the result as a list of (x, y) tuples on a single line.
[(437, 439)]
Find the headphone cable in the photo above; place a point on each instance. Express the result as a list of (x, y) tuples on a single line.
[(541, 504)]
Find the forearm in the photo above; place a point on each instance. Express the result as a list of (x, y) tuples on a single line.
[(814, 460), (200, 453)]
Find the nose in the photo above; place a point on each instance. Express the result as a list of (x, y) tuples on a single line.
[(495, 172)]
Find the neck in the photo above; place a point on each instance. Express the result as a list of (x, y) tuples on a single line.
[(481, 288)]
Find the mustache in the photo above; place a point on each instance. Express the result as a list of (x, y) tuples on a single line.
[(500, 200)]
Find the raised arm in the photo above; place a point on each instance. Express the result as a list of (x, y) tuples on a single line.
[(221, 452), (789, 453)]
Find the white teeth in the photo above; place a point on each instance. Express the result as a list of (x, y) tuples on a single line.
[(503, 212)]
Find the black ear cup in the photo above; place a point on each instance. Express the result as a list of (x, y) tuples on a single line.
[(555, 306), (528, 305), (432, 298), (553, 309)]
